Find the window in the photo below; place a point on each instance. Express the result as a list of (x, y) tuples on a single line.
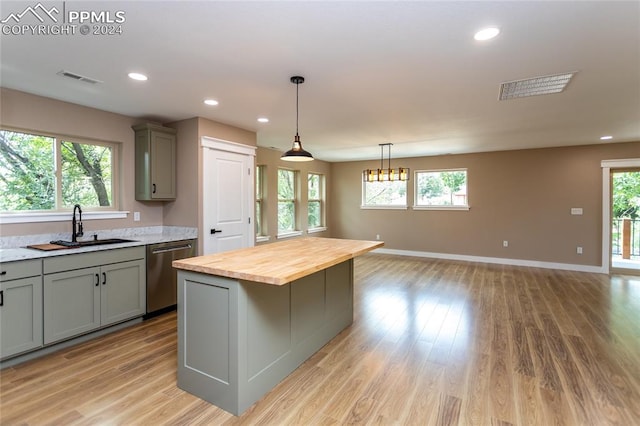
[(441, 189), (315, 201), (287, 201), (260, 228), (384, 194), (51, 173)]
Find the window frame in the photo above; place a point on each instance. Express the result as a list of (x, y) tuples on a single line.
[(365, 206), (260, 193), (321, 201), (60, 212), (417, 206), (284, 233)]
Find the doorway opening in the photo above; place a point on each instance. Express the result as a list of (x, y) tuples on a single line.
[(625, 221)]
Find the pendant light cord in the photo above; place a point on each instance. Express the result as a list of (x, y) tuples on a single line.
[(297, 108)]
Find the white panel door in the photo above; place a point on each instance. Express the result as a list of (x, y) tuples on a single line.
[(228, 201)]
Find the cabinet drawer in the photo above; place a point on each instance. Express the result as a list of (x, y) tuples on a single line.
[(96, 258), (21, 269)]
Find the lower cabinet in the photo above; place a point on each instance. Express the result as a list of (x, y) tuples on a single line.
[(111, 289), (20, 307)]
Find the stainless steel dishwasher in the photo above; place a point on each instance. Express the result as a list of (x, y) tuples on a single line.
[(161, 277)]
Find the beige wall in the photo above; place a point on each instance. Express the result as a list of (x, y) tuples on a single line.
[(24, 111), (521, 196), (184, 210), (270, 158)]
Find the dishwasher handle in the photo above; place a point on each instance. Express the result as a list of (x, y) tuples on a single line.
[(172, 248)]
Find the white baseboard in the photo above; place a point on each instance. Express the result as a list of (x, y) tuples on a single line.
[(498, 260)]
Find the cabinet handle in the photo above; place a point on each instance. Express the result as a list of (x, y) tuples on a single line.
[(3, 273), (153, 185), (1, 297), (104, 278), (97, 280)]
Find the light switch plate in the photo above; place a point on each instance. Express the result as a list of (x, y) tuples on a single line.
[(136, 216), (576, 211)]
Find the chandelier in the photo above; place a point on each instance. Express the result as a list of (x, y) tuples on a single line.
[(388, 174)]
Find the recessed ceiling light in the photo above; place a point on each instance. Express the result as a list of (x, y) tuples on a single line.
[(606, 138), (137, 76), (263, 119), (487, 33), (211, 102)]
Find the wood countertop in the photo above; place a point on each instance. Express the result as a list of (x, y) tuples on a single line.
[(278, 263)]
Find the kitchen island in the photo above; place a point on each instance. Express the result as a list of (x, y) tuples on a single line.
[(248, 318)]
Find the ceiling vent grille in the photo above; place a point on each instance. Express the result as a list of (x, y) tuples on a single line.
[(544, 85), (78, 77)]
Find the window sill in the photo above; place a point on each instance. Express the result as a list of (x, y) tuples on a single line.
[(289, 234), (262, 238), (318, 229), (462, 208), (384, 207), (7, 218)]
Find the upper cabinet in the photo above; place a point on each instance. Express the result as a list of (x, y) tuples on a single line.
[(155, 162)]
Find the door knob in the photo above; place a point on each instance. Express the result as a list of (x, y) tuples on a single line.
[(215, 231)]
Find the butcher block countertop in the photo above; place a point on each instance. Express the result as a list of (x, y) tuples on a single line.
[(278, 263)]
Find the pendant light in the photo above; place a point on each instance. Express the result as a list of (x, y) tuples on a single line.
[(297, 153), (388, 174)]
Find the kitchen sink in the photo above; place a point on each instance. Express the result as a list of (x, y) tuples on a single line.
[(89, 243)]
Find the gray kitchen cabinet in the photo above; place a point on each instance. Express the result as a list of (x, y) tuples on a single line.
[(20, 307), (155, 160), (109, 287)]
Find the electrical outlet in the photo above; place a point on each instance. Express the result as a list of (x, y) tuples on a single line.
[(378, 237), (136, 216), (505, 243), (579, 250)]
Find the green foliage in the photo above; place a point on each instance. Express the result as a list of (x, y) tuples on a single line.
[(429, 186), (314, 205), (439, 188), (28, 179), (314, 214), (86, 174), (626, 195), (385, 193), (453, 181), (286, 200)]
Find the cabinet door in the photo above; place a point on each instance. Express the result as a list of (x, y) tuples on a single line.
[(20, 315), (123, 288), (71, 303), (163, 165)]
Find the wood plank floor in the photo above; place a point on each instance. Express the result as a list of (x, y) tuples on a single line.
[(434, 342)]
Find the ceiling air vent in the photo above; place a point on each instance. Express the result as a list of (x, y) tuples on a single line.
[(78, 77), (545, 85)]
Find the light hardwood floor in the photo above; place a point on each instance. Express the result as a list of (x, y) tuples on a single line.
[(434, 342)]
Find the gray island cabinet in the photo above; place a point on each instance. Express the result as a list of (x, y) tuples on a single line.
[(248, 318)]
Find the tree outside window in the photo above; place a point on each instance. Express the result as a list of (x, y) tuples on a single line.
[(30, 180), (441, 188), (286, 201), (315, 200), (384, 194)]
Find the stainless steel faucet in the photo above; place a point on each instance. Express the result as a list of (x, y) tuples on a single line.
[(76, 224)]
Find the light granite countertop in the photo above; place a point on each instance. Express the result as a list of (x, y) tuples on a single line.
[(14, 248)]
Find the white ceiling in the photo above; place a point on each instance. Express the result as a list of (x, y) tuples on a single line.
[(409, 73)]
